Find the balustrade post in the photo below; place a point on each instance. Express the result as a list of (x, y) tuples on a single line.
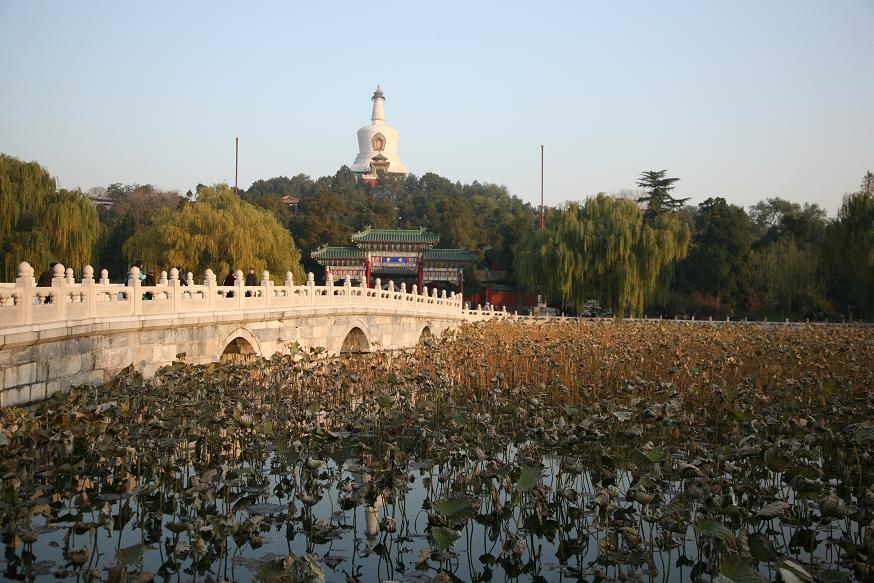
[(329, 284), (311, 287), (104, 277), (189, 279), (265, 289), (59, 288), (377, 288), (347, 290), (210, 284), (88, 292), (239, 280), (135, 296), (175, 291), (26, 283)]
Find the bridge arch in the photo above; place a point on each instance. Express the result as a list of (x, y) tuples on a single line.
[(355, 342), (426, 336), (240, 346)]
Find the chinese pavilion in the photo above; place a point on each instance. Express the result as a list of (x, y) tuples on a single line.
[(396, 253)]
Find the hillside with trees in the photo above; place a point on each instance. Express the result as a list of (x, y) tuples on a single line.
[(650, 252)]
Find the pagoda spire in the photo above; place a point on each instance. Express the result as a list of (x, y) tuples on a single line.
[(378, 98)]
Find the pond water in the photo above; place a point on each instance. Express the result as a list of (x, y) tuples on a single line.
[(390, 468), (517, 515)]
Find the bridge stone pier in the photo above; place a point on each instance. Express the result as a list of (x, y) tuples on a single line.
[(73, 332)]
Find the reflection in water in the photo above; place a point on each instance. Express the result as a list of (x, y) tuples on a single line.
[(478, 516)]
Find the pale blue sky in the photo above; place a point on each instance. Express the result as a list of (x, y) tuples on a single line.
[(741, 99)]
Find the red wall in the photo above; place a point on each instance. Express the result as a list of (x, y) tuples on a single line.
[(502, 298)]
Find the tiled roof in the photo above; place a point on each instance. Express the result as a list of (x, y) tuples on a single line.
[(338, 253), (420, 236), (460, 255)]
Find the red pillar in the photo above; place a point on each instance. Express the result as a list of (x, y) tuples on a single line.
[(367, 275), (461, 283), (420, 276)]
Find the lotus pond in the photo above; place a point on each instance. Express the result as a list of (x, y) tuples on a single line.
[(557, 451)]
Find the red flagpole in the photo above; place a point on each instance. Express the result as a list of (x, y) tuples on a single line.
[(541, 187)]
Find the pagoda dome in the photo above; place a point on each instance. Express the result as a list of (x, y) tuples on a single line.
[(378, 139)]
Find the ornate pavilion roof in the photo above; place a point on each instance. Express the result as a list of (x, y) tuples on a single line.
[(409, 236), (416, 241), (327, 252), (456, 255)]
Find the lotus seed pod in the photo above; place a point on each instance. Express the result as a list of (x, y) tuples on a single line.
[(58, 270), (174, 274)]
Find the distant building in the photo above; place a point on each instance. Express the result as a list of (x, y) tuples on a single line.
[(377, 145), (397, 254), (100, 199), (291, 203)]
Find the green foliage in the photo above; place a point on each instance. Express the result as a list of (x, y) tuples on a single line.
[(718, 262), (790, 277), (133, 210), (658, 186), (39, 223), (218, 231), (776, 218), (479, 217), (849, 252), (604, 250)]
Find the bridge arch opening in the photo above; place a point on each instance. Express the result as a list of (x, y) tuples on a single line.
[(355, 342), (426, 337), (238, 350)]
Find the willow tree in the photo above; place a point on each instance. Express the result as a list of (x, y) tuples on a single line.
[(220, 232), (39, 223), (603, 250), (849, 251)]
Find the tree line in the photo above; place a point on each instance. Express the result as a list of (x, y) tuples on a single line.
[(651, 253), (658, 254)]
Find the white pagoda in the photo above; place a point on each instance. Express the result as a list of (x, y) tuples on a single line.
[(377, 144)]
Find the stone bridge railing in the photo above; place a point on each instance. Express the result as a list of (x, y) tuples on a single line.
[(66, 301)]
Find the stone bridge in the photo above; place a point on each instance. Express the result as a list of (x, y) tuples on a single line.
[(73, 332)]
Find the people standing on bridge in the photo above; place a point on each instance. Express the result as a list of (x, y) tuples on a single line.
[(230, 280), (251, 279), (149, 281), (139, 265), (45, 280)]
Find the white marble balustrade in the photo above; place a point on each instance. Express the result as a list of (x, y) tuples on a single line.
[(66, 301)]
